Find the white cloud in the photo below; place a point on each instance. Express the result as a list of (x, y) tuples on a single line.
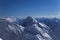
[(49, 16)]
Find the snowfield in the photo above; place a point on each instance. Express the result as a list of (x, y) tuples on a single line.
[(29, 28)]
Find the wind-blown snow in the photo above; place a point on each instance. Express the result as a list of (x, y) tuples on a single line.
[(11, 19)]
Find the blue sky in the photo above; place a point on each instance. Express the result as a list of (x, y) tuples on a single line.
[(29, 8)]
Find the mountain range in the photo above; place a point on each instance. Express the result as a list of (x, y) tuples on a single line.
[(29, 28)]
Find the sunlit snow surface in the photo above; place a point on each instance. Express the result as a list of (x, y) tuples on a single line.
[(0, 38), (28, 29)]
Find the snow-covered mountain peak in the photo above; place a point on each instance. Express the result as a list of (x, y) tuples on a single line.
[(28, 21), (29, 18), (29, 28)]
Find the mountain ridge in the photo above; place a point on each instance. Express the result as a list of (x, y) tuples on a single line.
[(27, 29)]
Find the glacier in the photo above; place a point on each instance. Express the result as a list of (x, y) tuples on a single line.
[(29, 28)]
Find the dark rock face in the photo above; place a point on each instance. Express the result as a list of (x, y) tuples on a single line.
[(28, 21), (28, 29)]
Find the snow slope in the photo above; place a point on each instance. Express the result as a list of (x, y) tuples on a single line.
[(54, 25), (25, 29)]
